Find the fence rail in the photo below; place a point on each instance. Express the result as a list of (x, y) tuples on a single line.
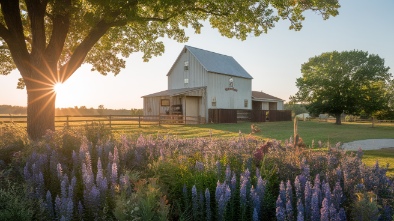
[(110, 120), (234, 116)]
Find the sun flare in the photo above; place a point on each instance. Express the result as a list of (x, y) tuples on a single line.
[(58, 88)]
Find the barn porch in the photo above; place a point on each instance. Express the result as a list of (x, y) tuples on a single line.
[(184, 105)]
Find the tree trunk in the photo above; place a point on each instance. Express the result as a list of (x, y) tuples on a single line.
[(40, 110), (338, 119)]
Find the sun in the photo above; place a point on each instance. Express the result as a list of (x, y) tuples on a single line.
[(58, 88)]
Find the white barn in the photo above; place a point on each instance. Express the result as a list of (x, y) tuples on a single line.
[(200, 80)]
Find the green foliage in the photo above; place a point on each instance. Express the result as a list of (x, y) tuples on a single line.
[(13, 138), (146, 202), (15, 205), (296, 108), (96, 131), (365, 207), (349, 82)]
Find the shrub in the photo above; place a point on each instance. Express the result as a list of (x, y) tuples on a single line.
[(13, 138)]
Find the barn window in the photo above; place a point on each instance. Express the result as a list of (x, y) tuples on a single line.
[(246, 103), (186, 65), (165, 102), (214, 102)]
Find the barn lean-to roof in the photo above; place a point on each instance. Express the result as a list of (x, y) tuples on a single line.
[(216, 63), (174, 92), (261, 96)]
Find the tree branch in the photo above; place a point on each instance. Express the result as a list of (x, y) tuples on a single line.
[(14, 37), (61, 25), (82, 50), (36, 12)]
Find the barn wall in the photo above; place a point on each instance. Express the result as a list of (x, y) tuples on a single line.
[(195, 74), (228, 99)]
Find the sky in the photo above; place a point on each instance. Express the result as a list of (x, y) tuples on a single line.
[(274, 59)]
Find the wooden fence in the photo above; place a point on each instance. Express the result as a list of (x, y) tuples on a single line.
[(110, 120), (234, 116)]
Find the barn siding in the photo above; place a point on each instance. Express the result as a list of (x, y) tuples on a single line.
[(217, 83), (195, 73)]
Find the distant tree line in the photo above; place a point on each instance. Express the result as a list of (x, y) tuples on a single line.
[(82, 110)]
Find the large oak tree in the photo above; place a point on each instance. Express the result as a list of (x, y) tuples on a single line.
[(350, 82), (48, 40)]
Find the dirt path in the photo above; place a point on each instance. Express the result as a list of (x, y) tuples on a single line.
[(370, 144)]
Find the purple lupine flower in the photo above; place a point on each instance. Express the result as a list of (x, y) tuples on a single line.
[(58, 206), (334, 216), (88, 162), (80, 210), (317, 189), (342, 214), (26, 172), (289, 192), (71, 191), (199, 166), (63, 189), (255, 215), (255, 200), (75, 160), (218, 167), (228, 173), (92, 199), (49, 205), (327, 192), (59, 171), (233, 183), (114, 173), (339, 174), (208, 205), (124, 182), (40, 185), (282, 194), (116, 156), (298, 189), (242, 194), (87, 178), (69, 209), (258, 172), (194, 202), (337, 196), (280, 210), (300, 211), (325, 211), (308, 199), (224, 198), (315, 209), (260, 188), (218, 191), (289, 210)]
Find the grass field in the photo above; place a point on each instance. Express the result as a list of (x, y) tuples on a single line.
[(308, 130)]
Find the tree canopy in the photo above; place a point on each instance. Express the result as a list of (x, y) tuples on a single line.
[(350, 82), (48, 40)]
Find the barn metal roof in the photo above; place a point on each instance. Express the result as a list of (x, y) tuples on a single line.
[(261, 96), (219, 63), (174, 92)]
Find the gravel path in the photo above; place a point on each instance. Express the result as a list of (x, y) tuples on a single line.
[(370, 144)]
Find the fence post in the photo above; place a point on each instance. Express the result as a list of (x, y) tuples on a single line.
[(139, 120), (67, 120), (110, 121)]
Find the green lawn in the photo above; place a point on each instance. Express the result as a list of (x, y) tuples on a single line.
[(308, 130)]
